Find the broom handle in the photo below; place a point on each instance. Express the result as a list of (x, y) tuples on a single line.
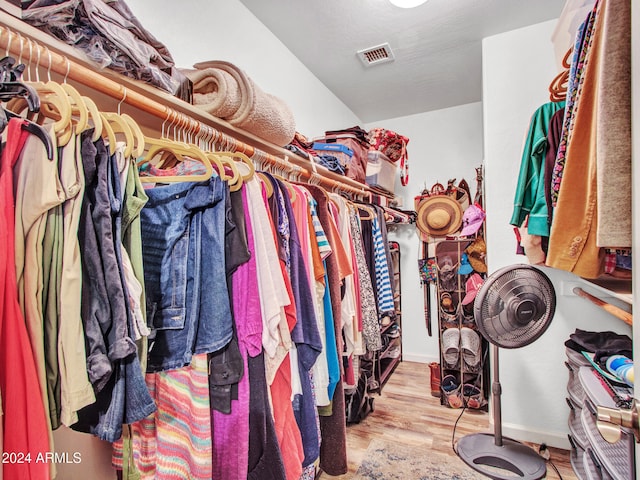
[(626, 317)]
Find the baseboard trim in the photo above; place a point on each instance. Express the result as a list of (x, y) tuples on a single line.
[(418, 358), (526, 434)]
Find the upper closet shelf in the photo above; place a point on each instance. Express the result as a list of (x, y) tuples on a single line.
[(153, 107)]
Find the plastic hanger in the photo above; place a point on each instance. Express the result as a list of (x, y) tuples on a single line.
[(558, 86), (235, 182), (77, 107), (120, 125), (95, 117), (290, 190), (180, 151), (33, 129), (368, 214), (138, 149), (244, 159), (218, 164), (108, 132), (267, 183)]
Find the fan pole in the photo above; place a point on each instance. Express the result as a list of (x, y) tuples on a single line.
[(496, 394)]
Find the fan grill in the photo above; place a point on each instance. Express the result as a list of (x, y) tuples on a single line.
[(514, 306)]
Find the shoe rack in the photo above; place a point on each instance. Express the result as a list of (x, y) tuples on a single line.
[(464, 359), (390, 356)]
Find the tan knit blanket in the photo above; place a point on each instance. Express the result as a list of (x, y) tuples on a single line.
[(225, 91)]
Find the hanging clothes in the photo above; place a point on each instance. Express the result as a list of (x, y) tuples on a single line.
[(333, 454), (573, 241), (530, 200), (231, 431), (24, 420)]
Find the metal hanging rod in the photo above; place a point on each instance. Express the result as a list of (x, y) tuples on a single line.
[(27, 43)]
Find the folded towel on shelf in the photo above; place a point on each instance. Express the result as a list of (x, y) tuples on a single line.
[(225, 91)]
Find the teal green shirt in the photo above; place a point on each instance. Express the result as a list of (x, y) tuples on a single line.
[(529, 198)]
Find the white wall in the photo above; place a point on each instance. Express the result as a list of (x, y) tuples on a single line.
[(226, 30), (443, 144), (517, 69)]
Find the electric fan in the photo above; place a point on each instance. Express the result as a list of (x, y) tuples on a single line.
[(512, 309)]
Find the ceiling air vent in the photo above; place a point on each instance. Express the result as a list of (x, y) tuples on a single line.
[(376, 55)]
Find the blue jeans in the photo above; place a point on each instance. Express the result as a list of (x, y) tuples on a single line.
[(188, 309)]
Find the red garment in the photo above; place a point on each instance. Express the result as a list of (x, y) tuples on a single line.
[(24, 422), (287, 429)]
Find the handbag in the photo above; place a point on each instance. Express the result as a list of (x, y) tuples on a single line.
[(394, 147)]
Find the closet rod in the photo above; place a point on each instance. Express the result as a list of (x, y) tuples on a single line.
[(623, 315), (15, 40)]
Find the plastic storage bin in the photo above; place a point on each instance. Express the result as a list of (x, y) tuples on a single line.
[(342, 153), (612, 460), (381, 172)]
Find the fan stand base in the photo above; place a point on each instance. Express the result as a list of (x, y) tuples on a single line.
[(517, 461)]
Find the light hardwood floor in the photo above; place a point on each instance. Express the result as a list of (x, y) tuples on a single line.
[(407, 413)]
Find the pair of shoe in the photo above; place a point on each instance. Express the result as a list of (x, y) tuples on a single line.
[(446, 302), (393, 331), (447, 275), (392, 352), (470, 345), (465, 341), (473, 396), (451, 389)]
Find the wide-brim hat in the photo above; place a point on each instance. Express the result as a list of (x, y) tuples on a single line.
[(439, 216), (476, 253)]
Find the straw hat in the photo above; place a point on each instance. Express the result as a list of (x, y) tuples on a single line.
[(439, 215), (476, 253)]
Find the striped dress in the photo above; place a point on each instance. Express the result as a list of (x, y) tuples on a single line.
[(175, 442)]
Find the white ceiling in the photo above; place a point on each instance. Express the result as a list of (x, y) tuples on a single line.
[(437, 47)]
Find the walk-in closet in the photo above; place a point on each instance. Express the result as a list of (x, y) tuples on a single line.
[(291, 241)]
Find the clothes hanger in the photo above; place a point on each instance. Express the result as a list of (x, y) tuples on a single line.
[(268, 186), (53, 95), (138, 149), (558, 86), (95, 117), (163, 143), (33, 129), (288, 186), (368, 214), (236, 181), (108, 134), (218, 165), (244, 159), (180, 150), (120, 125)]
